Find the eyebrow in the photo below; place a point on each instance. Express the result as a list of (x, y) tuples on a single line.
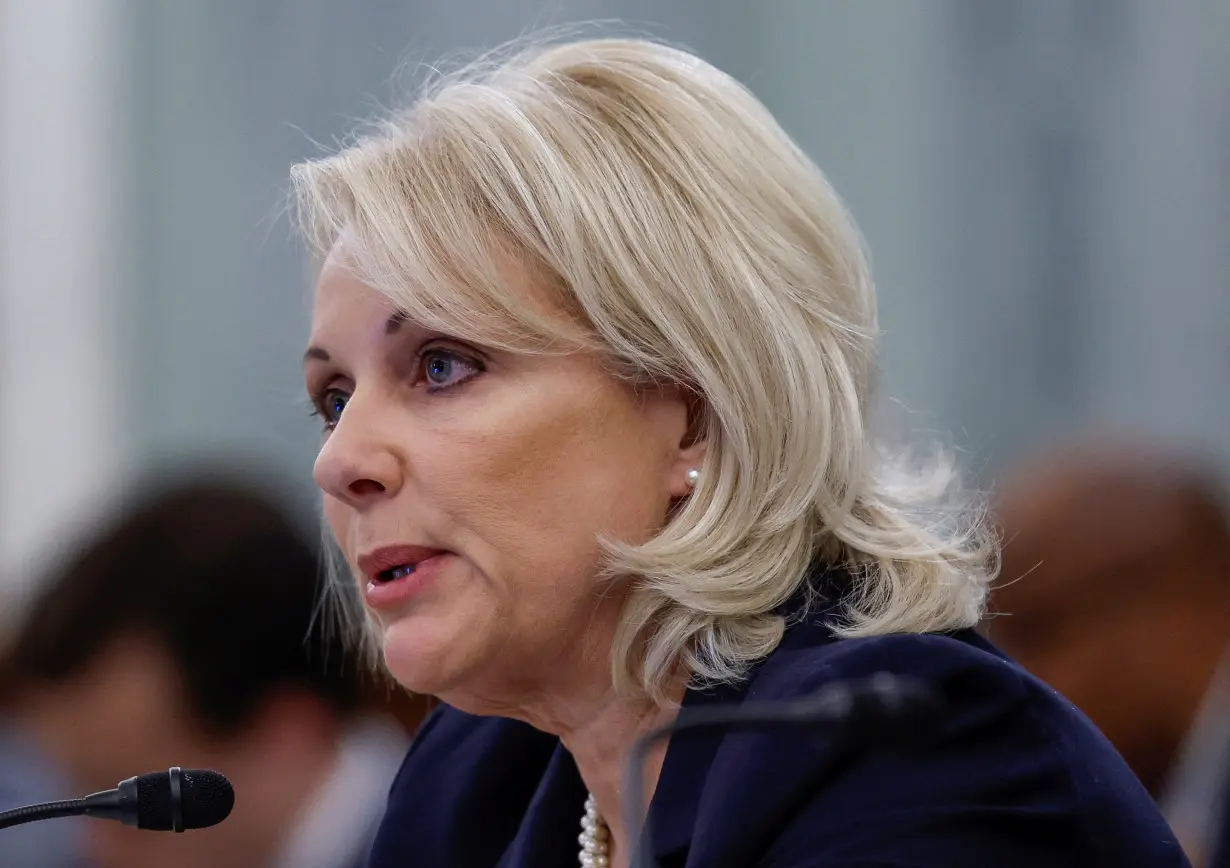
[(395, 322), (391, 326)]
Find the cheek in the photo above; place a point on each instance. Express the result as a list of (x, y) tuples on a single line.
[(537, 482), (338, 518)]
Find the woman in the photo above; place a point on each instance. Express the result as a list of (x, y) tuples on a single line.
[(593, 347)]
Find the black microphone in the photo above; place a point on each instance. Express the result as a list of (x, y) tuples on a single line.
[(169, 801), (884, 709)]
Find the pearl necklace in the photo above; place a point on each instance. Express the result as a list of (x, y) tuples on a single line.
[(595, 837)]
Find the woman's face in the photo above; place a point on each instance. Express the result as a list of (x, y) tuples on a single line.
[(468, 488)]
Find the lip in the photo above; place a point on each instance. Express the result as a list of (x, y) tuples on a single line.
[(395, 593), (375, 562)]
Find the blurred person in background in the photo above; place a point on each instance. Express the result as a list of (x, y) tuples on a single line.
[(185, 634), (1116, 590)]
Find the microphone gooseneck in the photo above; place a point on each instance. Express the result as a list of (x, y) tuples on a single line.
[(45, 811), (884, 709), (170, 801)]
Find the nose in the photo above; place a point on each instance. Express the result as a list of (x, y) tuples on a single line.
[(357, 463)]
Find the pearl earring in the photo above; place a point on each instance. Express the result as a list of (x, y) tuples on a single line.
[(693, 477)]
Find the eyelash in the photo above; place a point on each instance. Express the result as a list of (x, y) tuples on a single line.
[(476, 365)]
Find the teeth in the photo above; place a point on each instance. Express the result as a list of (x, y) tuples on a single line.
[(401, 572)]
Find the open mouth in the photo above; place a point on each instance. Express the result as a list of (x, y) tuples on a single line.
[(392, 566), (398, 572)]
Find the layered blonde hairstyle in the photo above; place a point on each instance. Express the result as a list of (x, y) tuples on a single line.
[(687, 239)]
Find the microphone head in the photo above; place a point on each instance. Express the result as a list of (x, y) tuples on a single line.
[(204, 798)]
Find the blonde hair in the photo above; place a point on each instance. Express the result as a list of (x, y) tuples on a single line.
[(690, 240)]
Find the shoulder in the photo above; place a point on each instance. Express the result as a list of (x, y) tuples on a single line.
[(1015, 774), (801, 666), (461, 766), (975, 681)]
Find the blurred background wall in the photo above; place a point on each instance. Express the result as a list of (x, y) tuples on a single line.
[(1044, 186)]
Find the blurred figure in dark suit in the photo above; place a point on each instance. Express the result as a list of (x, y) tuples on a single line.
[(1116, 591), (28, 776), (185, 634)]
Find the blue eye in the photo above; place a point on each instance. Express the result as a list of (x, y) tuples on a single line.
[(444, 369), (439, 369), (329, 406)]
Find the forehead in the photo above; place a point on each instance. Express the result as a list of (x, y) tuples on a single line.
[(508, 306), (339, 276), (341, 298)]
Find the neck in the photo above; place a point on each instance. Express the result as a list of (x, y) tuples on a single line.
[(574, 698), (601, 743), (599, 727)]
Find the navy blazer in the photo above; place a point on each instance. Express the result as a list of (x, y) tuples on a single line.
[(1017, 779), (1220, 855)]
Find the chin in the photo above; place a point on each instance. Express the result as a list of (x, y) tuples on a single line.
[(425, 659)]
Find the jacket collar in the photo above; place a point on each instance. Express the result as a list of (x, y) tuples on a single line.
[(689, 756)]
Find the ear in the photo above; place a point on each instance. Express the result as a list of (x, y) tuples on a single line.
[(693, 446)]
